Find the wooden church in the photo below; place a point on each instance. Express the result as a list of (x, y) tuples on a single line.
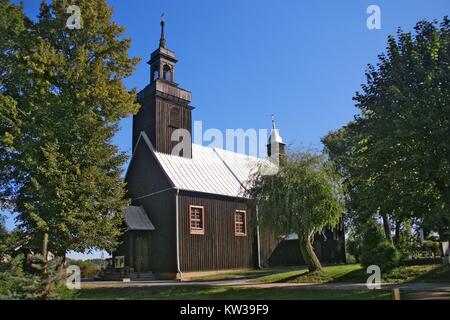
[(188, 211)]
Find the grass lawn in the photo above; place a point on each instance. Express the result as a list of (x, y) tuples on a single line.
[(227, 293), (354, 273), (239, 274)]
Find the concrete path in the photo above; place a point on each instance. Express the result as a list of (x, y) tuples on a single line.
[(438, 287)]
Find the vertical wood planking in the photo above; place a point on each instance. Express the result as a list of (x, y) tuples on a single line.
[(218, 248)]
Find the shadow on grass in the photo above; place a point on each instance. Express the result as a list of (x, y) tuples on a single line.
[(441, 273), (355, 276), (224, 293), (293, 277), (401, 274)]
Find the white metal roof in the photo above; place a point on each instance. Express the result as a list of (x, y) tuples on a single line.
[(210, 170), (275, 136)]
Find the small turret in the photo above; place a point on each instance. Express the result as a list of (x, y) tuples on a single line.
[(275, 146)]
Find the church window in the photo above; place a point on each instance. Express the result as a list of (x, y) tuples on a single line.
[(197, 219), (240, 223), (155, 75)]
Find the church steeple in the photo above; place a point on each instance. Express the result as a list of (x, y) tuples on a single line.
[(275, 133), (162, 61), (275, 145), (162, 40), (165, 107)]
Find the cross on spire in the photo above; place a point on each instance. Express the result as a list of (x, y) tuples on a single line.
[(162, 41)]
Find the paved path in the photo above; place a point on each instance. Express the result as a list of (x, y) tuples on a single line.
[(438, 287)]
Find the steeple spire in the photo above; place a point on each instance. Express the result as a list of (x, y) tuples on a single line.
[(162, 41), (275, 133), (275, 145)]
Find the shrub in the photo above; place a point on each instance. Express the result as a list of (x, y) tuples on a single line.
[(354, 248), (89, 269), (17, 284), (377, 250), (431, 248), (409, 244)]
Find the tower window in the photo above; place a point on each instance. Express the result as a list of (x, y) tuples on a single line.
[(167, 73), (155, 75)]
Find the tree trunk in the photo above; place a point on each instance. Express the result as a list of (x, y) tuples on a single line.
[(386, 226), (45, 251), (308, 254), (44, 246), (398, 225)]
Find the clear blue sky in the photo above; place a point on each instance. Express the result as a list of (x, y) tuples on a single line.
[(244, 60)]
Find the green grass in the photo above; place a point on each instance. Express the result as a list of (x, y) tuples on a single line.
[(233, 275), (227, 293), (425, 273), (351, 273), (354, 273), (303, 276)]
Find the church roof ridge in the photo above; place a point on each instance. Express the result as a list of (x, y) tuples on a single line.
[(210, 170)]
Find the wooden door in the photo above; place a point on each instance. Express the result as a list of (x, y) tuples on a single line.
[(142, 257)]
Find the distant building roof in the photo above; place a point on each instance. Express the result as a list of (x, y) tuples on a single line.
[(137, 219), (210, 170)]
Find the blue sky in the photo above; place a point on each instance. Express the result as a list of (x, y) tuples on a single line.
[(244, 60)]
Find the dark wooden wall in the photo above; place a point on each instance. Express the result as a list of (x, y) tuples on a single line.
[(144, 120), (218, 248), (161, 210), (329, 250), (145, 177), (136, 249), (268, 243), (154, 116), (164, 128)]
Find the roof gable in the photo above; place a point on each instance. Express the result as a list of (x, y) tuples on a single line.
[(210, 170)]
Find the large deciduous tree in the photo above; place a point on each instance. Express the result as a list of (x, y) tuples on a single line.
[(14, 38), (304, 197), (62, 103), (396, 153)]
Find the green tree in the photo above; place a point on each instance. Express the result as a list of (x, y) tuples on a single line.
[(376, 249), (395, 155), (64, 173), (13, 40), (3, 231), (304, 197)]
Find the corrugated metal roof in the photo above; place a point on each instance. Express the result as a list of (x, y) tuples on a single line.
[(137, 219), (211, 170)]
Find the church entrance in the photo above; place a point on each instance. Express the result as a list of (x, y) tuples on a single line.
[(142, 254)]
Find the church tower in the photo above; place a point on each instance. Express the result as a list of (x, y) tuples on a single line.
[(275, 146), (165, 107)]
